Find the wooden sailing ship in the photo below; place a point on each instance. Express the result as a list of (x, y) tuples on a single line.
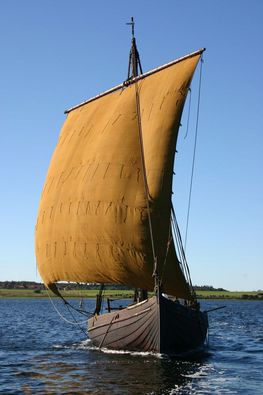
[(106, 212)]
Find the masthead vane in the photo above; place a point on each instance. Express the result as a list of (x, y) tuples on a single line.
[(131, 23)]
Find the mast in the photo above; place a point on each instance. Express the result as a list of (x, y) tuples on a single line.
[(133, 71), (134, 57)]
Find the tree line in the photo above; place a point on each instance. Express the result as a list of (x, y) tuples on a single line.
[(63, 285)]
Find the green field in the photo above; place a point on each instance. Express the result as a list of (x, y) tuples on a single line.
[(227, 295), (29, 293)]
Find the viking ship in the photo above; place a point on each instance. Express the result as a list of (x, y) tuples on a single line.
[(106, 214)]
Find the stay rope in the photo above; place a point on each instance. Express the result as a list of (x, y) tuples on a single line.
[(194, 153)]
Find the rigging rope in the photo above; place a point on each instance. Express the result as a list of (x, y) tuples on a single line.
[(194, 153), (61, 315), (170, 239), (77, 323), (69, 306), (180, 248), (147, 193)]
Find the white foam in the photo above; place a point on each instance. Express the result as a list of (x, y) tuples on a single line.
[(82, 345), (132, 353), (87, 345), (203, 371)]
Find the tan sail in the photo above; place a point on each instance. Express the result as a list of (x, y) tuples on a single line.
[(93, 220)]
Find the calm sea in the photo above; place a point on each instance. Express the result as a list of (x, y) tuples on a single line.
[(42, 354)]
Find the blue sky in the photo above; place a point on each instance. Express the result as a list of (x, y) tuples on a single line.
[(55, 54)]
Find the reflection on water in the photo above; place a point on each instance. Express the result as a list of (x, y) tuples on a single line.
[(98, 373), (41, 354)]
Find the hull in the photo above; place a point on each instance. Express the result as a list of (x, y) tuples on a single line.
[(156, 325)]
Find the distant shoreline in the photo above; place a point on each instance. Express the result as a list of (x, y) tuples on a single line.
[(115, 293)]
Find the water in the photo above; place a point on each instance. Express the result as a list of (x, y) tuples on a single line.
[(42, 354)]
